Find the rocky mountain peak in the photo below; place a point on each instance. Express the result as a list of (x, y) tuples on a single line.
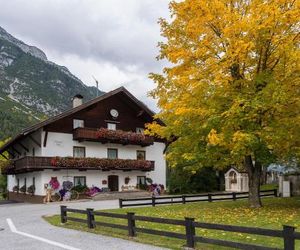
[(32, 50), (31, 87)]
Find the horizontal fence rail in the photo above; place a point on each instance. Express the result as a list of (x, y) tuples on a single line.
[(160, 200), (287, 233)]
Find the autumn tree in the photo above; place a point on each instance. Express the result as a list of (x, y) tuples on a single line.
[(231, 92)]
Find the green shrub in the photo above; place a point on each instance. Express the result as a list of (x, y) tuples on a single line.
[(186, 181), (80, 188), (23, 189), (31, 189)]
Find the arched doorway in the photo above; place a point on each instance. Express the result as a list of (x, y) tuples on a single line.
[(113, 182), (233, 181)]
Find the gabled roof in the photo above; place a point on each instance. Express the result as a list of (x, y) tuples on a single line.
[(241, 171), (71, 111)]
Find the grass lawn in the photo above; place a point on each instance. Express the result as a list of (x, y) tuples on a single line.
[(268, 187), (274, 213)]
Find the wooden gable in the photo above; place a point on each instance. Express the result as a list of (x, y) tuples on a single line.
[(98, 115)]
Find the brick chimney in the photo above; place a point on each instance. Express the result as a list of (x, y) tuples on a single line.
[(77, 100)]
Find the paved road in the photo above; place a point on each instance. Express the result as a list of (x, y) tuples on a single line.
[(33, 233)]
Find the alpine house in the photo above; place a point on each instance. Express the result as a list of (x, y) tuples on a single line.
[(98, 143)]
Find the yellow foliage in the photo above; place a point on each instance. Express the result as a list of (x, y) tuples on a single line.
[(235, 70), (213, 137)]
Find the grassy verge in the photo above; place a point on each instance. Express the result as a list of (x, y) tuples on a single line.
[(274, 213), (268, 187)]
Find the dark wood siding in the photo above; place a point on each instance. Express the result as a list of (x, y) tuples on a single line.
[(95, 116)]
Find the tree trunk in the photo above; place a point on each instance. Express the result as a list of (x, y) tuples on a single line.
[(254, 173), (264, 175)]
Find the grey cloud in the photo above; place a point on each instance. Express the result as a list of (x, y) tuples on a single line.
[(120, 31), (114, 40)]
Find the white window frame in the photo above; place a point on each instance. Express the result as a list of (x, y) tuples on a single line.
[(78, 156), (78, 123), (112, 149), (140, 151), (111, 126), (141, 178), (79, 177)]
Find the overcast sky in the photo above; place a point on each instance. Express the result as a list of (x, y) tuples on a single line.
[(114, 40)]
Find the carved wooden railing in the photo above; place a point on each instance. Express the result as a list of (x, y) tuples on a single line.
[(104, 135), (36, 163)]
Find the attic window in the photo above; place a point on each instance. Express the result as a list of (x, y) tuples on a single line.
[(78, 123), (111, 126)]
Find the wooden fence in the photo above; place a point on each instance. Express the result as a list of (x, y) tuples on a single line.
[(153, 201), (287, 233)]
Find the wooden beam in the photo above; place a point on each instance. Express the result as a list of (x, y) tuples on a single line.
[(22, 145), (45, 139), (3, 155), (35, 141), (14, 149), (12, 154), (141, 112)]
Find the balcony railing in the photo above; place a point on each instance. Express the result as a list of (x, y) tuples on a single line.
[(34, 163), (104, 135)]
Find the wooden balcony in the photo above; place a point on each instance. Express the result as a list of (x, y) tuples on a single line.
[(112, 136), (34, 163)]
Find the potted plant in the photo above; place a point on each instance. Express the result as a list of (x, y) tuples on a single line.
[(31, 190), (23, 189), (16, 189), (127, 179)]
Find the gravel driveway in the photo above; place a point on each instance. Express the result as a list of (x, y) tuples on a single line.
[(33, 233)]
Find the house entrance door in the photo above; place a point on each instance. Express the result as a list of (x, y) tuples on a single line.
[(113, 182)]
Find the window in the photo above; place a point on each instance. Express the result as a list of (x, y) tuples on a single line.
[(33, 151), (141, 180), (79, 181), (141, 155), (112, 126), (112, 153), (78, 123), (140, 130), (79, 152)]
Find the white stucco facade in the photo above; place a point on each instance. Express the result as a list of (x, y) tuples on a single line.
[(61, 144)]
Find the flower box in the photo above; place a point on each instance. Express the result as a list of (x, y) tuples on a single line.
[(102, 163), (124, 137)]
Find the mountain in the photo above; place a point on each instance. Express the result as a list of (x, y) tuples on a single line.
[(31, 87)]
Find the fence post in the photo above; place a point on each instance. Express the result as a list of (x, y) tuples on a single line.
[(288, 237), (153, 201), (90, 218), (209, 198), (183, 199), (63, 214), (190, 232), (234, 196), (275, 193), (131, 224), (121, 203)]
